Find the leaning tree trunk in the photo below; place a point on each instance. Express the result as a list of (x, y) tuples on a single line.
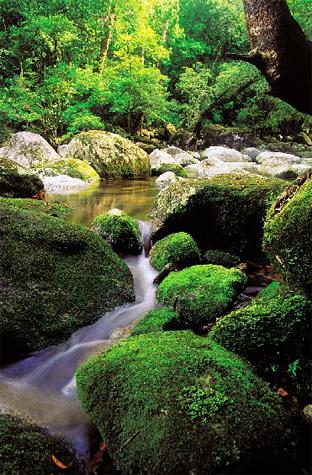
[(280, 50)]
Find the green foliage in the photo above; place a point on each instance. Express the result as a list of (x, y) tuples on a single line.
[(16, 181), (274, 333), (288, 240), (119, 230), (56, 277), (162, 319), (178, 249), (26, 448), (225, 213), (179, 403), (201, 293)]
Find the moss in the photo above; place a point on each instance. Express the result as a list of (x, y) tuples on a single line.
[(110, 155), (161, 319), (226, 212), (178, 249), (119, 230), (175, 403), (201, 293), (71, 167), (274, 333), (288, 237), (176, 168), (16, 181), (55, 278), (26, 449), (52, 208), (220, 258)]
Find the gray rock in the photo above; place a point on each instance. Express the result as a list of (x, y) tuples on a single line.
[(159, 158), (251, 152), (277, 158), (27, 149), (166, 179), (62, 149), (63, 183), (225, 154)]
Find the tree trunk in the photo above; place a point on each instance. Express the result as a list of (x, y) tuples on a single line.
[(280, 50), (108, 25)]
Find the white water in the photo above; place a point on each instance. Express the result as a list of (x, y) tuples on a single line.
[(42, 385)]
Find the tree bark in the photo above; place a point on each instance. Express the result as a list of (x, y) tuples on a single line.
[(108, 25), (280, 50)]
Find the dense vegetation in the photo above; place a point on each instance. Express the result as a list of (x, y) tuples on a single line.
[(68, 66)]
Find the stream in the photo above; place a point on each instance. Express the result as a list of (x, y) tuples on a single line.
[(42, 385)]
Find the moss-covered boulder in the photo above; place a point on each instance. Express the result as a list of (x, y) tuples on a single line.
[(52, 208), (17, 182), (71, 167), (288, 237), (176, 168), (176, 403), (178, 249), (161, 319), (55, 277), (220, 258), (226, 212), (119, 230), (274, 333), (27, 449), (201, 293), (109, 154)]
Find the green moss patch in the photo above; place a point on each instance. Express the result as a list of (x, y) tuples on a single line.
[(220, 258), (201, 293), (27, 449), (17, 182), (274, 333), (55, 277), (178, 249), (52, 208), (176, 168), (226, 212), (288, 236), (119, 230), (173, 402), (161, 319)]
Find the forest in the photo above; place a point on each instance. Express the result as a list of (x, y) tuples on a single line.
[(68, 66), (155, 237)]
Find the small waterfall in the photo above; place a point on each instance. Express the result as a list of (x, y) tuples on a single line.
[(42, 385)]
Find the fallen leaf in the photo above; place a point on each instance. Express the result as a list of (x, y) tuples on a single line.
[(60, 464), (282, 392)]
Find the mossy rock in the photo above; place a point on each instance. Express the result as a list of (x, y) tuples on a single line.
[(55, 278), (220, 258), (178, 249), (52, 208), (161, 319), (288, 237), (16, 181), (226, 212), (119, 230), (176, 403), (176, 168), (201, 293), (27, 449), (71, 167), (111, 155), (274, 333)]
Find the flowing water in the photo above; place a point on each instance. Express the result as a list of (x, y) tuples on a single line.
[(42, 385)]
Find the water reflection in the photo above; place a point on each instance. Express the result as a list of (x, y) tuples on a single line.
[(133, 196)]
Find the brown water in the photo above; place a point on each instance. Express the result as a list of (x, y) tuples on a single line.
[(136, 197)]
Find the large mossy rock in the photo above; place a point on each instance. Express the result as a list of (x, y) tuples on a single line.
[(27, 449), (110, 155), (178, 249), (274, 333), (160, 319), (226, 212), (55, 278), (119, 230), (17, 182), (52, 208), (288, 236), (201, 293), (176, 403), (71, 167), (28, 149)]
